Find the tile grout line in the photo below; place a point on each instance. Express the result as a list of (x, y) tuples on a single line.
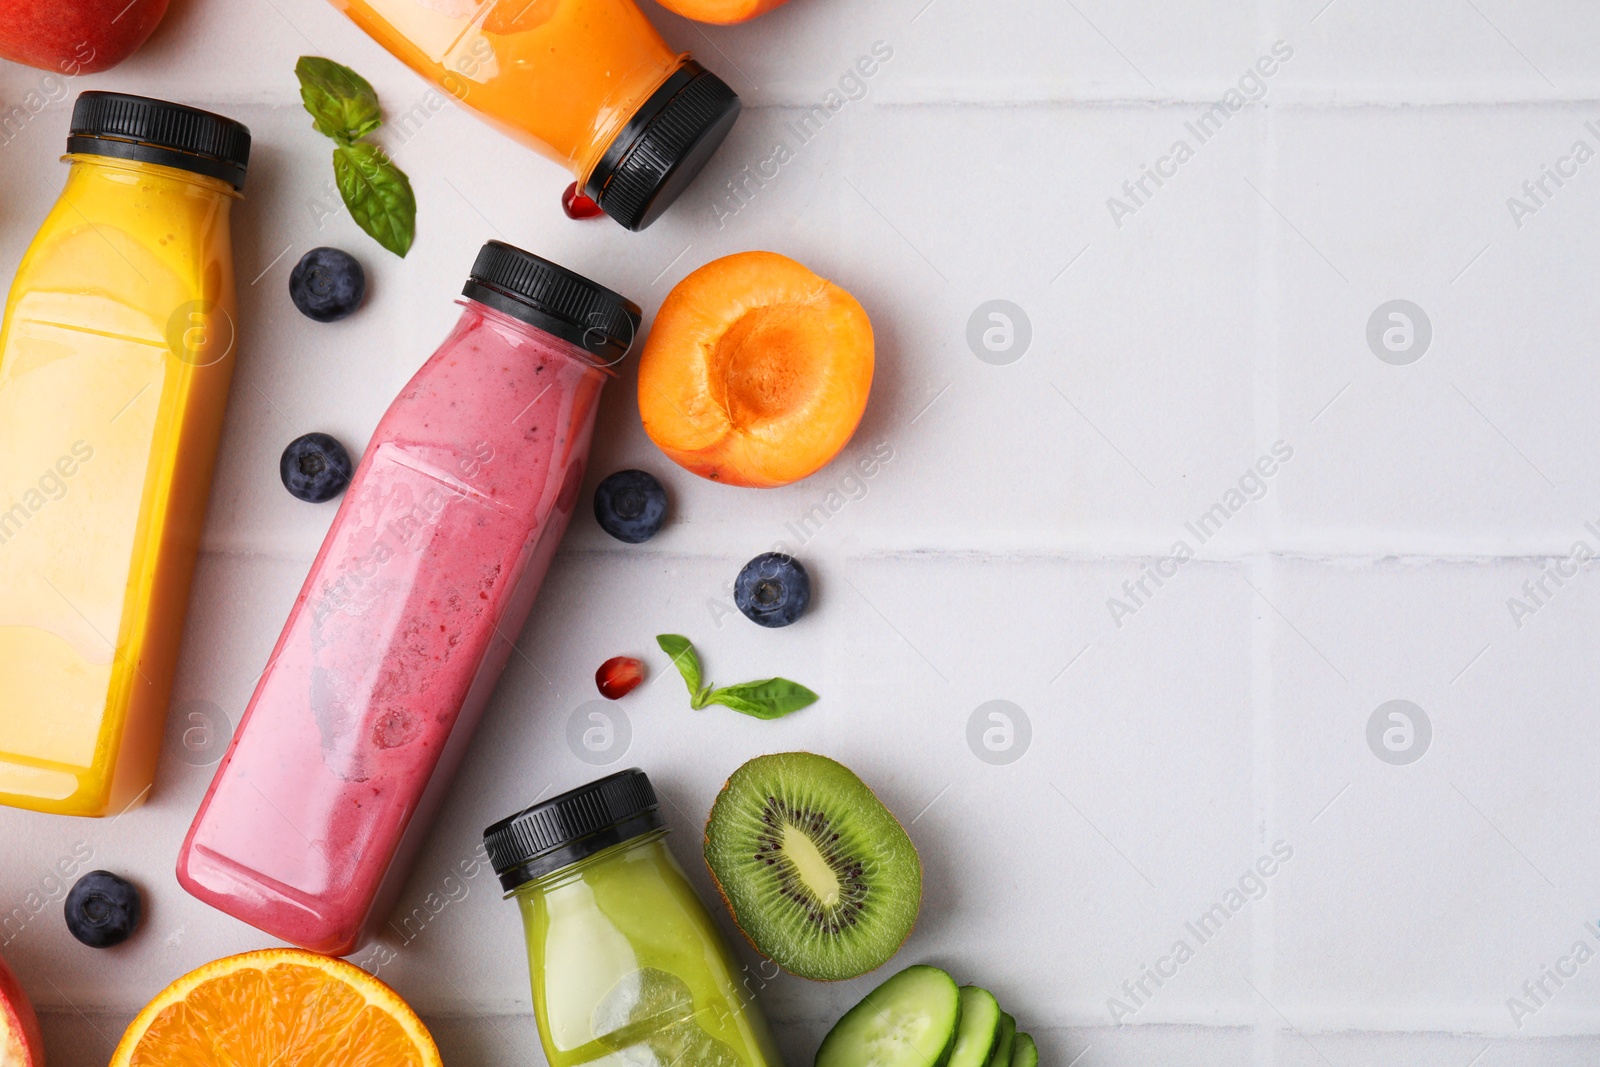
[(1016, 554), (1294, 98), (1266, 419)]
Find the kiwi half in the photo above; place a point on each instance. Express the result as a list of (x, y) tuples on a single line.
[(817, 873)]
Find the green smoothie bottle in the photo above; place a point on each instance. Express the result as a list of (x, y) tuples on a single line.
[(628, 968)]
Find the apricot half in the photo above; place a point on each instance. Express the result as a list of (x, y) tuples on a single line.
[(756, 371), (721, 12)]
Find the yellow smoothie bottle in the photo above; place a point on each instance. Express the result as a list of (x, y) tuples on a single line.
[(115, 355)]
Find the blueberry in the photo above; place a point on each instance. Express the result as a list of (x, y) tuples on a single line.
[(327, 284), (630, 506), (102, 909), (315, 467), (773, 589)]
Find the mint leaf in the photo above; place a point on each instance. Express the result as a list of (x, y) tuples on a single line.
[(378, 195), (342, 103), (772, 698), (688, 663)]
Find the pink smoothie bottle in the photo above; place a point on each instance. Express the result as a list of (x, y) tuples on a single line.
[(407, 617)]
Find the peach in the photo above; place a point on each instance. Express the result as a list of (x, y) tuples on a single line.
[(721, 12), (21, 1043), (756, 371), (75, 36)]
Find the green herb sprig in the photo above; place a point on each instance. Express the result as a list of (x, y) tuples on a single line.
[(344, 106), (770, 698)]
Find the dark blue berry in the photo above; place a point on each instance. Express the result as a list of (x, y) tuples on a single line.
[(315, 468), (327, 284), (630, 506), (773, 589), (102, 909)]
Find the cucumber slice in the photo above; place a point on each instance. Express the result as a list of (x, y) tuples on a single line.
[(980, 1025), (1024, 1053), (1003, 1042), (909, 1021)]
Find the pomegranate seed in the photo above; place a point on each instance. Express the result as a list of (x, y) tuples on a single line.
[(577, 205), (619, 676)]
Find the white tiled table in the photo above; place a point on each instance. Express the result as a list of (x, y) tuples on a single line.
[(1227, 712)]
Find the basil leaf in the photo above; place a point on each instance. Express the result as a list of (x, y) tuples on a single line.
[(378, 195), (771, 698), (343, 103), (687, 661)]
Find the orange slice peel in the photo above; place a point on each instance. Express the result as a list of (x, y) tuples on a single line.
[(284, 1007)]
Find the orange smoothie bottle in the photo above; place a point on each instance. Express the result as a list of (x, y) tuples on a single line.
[(115, 355), (589, 83)]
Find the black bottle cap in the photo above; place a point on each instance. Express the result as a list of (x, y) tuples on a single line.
[(155, 131), (573, 826), (663, 146), (554, 299)]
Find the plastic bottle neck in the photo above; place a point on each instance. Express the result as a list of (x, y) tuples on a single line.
[(574, 871), (475, 310), (86, 166)]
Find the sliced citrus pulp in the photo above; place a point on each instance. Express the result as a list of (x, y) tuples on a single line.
[(283, 1007)]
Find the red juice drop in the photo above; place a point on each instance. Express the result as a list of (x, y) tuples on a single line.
[(577, 205)]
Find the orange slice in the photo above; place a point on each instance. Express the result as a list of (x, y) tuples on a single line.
[(282, 1007)]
